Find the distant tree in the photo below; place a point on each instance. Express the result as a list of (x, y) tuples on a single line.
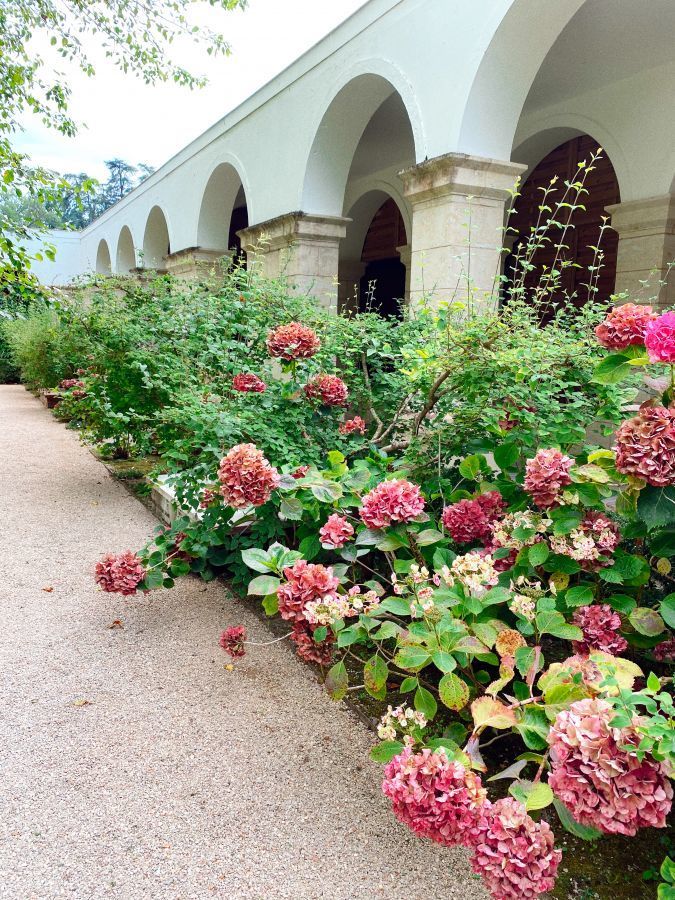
[(120, 180), (136, 36)]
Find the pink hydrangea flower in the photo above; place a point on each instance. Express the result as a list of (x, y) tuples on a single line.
[(660, 338), (328, 389), (232, 641), (665, 651), (605, 532), (248, 383), (304, 582), (434, 797), (515, 855), (600, 625), (390, 502), (502, 563), (120, 573), (472, 520), (207, 498), (336, 532), (68, 383), (353, 426), (603, 785), (645, 446), (293, 341), (246, 477), (545, 476), (308, 649), (300, 472), (624, 326)]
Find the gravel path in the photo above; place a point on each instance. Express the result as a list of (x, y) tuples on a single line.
[(177, 778)]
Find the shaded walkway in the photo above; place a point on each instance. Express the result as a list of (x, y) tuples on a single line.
[(178, 779)]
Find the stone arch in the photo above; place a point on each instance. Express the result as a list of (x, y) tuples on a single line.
[(125, 258), (223, 210), (337, 135), (156, 240), (103, 264)]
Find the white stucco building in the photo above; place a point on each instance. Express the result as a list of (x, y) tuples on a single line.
[(359, 159)]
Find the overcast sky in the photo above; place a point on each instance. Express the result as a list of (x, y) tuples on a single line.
[(122, 117)]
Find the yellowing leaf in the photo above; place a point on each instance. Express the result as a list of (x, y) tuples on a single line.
[(490, 713)]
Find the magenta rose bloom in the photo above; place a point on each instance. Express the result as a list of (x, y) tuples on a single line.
[(546, 474), (625, 326), (602, 784), (248, 383), (293, 341), (246, 477), (307, 648), (232, 641), (660, 339), (434, 797), (514, 855), (600, 625), (304, 582), (645, 446), (390, 502), (336, 532), (120, 574)]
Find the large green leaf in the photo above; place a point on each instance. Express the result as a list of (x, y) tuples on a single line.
[(667, 609), (453, 691), (656, 506), (570, 824), (337, 681)]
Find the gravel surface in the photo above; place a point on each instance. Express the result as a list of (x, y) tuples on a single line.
[(134, 765)]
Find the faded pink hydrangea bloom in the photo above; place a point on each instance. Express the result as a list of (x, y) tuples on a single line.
[(603, 785), (600, 625), (435, 797), (472, 520), (327, 389), (660, 339), (249, 383), (232, 641), (300, 472), (514, 855), (293, 341), (390, 502), (68, 383), (310, 650), (604, 531), (502, 563), (208, 497), (546, 474), (353, 426), (645, 446), (665, 651), (336, 532), (120, 573), (304, 582), (624, 326), (246, 477)]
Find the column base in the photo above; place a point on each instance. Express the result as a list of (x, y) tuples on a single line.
[(197, 262)]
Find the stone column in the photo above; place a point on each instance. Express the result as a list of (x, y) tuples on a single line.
[(405, 252), (300, 247), (454, 198), (646, 230), (197, 262)]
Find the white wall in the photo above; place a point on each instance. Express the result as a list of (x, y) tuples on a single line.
[(67, 264)]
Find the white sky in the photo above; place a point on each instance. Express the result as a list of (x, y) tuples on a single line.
[(123, 117)]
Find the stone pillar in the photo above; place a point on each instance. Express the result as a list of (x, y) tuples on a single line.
[(646, 230), (455, 197), (405, 252), (300, 247), (196, 262)]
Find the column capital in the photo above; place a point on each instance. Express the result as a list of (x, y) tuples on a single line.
[(653, 215), (460, 173), (291, 228), (191, 261)]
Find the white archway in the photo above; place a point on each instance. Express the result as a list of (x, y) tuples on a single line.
[(125, 258), (103, 264), (156, 240)]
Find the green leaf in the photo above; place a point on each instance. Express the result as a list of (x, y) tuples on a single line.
[(667, 609), (337, 681), (154, 579), (389, 542), (256, 559), (453, 691), (470, 467), (442, 557), (310, 546), (570, 824), (375, 674), (412, 658), (578, 596), (525, 657), (506, 455), (554, 623), (663, 543), (538, 553), (397, 606), (428, 536), (622, 603), (646, 621), (385, 751), (565, 519), (668, 870), (408, 684), (263, 585), (538, 796), (425, 702), (612, 369), (291, 508), (446, 662), (320, 634), (656, 506), (271, 605)]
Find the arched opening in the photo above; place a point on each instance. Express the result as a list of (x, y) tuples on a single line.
[(588, 274), (223, 212), (103, 266), (125, 260), (156, 243)]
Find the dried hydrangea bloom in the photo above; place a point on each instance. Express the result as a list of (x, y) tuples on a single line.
[(475, 571), (248, 383), (600, 625), (300, 472), (508, 641), (660, 339), (304, 582), (246, 477), (625, 326), (353, 426), (336, 532), (503, 530), (592, 543), (602, 784), (293, 341), (327, 389), (390, 502), (232, 641), (120, 573), (310, 650), (514, 855), (546, 474), (434, 797), (645, 446), (665, 651)]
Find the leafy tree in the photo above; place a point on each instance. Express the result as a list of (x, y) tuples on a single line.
[(135, 34), (120, 181)]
